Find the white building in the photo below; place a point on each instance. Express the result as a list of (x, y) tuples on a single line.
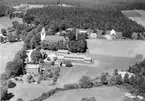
[(43, 34), (122, 73)]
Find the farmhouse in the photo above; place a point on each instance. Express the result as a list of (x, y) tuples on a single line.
[(122, 73)]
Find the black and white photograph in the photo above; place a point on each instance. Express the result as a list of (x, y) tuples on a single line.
[(72, 50)]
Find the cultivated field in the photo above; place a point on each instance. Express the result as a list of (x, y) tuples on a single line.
[(7, 53), (136, 15), (101, 94)]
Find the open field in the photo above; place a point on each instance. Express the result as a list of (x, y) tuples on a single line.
[(88, 2), (7, 53), (101, 94), (28, 91), (118, 48), (6, 22), (136, 15)]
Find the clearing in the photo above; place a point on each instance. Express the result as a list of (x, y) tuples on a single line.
[(7, 53), (100, 93), (136, 15)]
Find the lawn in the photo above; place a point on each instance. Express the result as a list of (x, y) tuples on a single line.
[(7, 53), (101, 94)]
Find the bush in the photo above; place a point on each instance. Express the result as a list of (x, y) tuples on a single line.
[(11, 38), (11, 84), (4, 32), (39, 79), (1, 39), (67, 63), (71, 86), (20, 99), (104, 80), (4, 93), (85, 82)]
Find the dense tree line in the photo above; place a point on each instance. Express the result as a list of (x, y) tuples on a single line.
[(88, 18), (138, 82)]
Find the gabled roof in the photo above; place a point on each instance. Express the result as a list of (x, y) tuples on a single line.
[(53, 38)]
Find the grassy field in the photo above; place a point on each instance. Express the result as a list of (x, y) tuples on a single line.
[(6, 22), (101, 94), (7, 53), (28, 91), (86, 2), (118, 48), (136, 15)]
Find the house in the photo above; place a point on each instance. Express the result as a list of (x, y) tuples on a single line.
[(32, 68), (122, 73), (93, 36), (63, 51)]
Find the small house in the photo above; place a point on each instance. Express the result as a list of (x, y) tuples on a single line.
[(32, 68), (93, 36), (87, 59), (63, 51)]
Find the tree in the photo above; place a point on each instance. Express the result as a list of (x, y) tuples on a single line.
[(85, 82), (119, 79), (37, 21), (1, 39), (11, 38), (36, 56), (104, 79), (126, 78), (4, 32), (14, 69), (116, 72), (15, 24), (4, 93), (28, 18), (71, 35), (35, 41)]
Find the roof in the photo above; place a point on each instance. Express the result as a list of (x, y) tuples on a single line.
[(54, 38), (45, 65)]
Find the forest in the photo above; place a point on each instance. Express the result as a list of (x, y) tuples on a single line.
[(81, 17)]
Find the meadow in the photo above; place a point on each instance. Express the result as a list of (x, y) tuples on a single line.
[(101, 94), (7, 53), (136, 15)]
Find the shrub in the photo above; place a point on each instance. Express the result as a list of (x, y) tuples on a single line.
[(39, 79), (4, 93), (11, 38), (4, 32), (1, 39), (71, 86), (67, 63), (85, 82), (126, 78), (11, 84), (104, 79), (20, 99)]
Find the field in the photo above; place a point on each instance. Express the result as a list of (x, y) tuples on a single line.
[(7, 53), (82, 2), (101, 94), (118, 48), (28, 91), (136, 15), (6, 22)]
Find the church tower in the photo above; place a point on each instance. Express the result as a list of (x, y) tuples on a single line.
[(43, 34)]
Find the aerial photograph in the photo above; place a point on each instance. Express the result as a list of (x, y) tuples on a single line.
[(72, 50)]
